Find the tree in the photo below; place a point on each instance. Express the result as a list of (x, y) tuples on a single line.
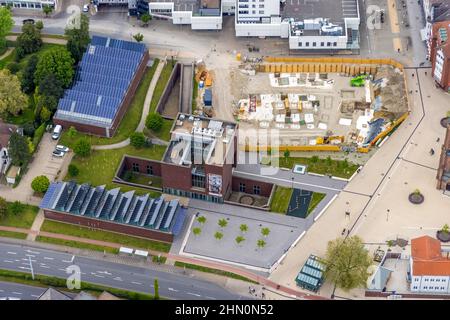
[(18, 149), (156, 285), (201, 220), (40, 184), (57, 61), (39, 25), (47, 10), (27, 80), (145, 19), (29, 40), (139, 37), (154, 121), (51, 86), (197, 231), (78, 37), (137, 139), (72, 132), (28, 129), (265, 231), (218, 235), (12, 99), (82, 147), (3, 208), (222, 223), (73, 170), (346, 263), (45, 114), (13, 67), (6, 25), (239, 239), (243, 227), (261, 243)]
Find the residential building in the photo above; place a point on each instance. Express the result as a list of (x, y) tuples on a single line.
[(123, 212), (440, 54), (443, 173), (30, 4), (429, 266), (6, 130), (104, 85)]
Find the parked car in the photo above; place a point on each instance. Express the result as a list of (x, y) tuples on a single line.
[(57, 132), (62, 148), (57, 153), (28, 21), (86, 8)]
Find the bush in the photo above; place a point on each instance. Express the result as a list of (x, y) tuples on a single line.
[(40, 184), (16, 207), (38, 134), (73, 170), (314, 159), (13, 67), (137, 139), (28, 129), (154, 121), (127, 176), (3, 208), (82, 147)]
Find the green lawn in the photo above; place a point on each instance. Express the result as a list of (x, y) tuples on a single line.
[(337, 168), (129, 122), (211, 270), (280, 199), (87, 233), (145, 179), (315, 200), (76, 244), (23, 219), (164, 133), (161, 85), (99, 168), (11, 234)]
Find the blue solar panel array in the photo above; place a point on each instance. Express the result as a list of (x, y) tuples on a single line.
[(113, 205), (103, 77)]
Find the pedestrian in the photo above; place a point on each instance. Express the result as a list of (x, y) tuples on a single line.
[(438, 139)]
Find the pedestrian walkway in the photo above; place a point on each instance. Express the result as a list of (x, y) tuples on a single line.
[(36, 227), (215, 265)]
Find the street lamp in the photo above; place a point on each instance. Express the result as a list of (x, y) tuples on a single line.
[(387, 214)]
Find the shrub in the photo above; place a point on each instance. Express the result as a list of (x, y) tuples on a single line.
[(82, 147), (40, 184), (73, 170), (314, 159), (16, 207), (13, 67), (137, 139), (38, 134), (127, 176), (28, 129), (3, 208), (154, 121)]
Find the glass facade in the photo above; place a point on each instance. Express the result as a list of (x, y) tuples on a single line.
[(193, 195)]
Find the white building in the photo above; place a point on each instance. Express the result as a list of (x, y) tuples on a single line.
[(30, 4), (429, 266)]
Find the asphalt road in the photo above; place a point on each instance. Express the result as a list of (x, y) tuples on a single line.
[(15, 291), (137, 279)]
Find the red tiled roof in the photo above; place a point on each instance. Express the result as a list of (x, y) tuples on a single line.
[(427, 258)]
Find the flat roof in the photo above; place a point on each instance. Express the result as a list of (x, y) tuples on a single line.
[(335, 10), (192, 5)]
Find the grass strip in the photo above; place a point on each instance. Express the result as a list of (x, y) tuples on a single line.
[(76, 244)]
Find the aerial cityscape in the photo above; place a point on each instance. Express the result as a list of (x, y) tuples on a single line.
[(212, 150)]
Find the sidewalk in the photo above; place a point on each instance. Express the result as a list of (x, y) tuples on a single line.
[(262, 280)]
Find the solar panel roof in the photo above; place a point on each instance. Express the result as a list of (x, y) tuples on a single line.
[(105, 72)]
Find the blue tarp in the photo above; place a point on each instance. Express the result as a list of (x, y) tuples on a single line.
[(207, 97)]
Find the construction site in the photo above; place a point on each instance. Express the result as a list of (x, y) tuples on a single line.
[(328, 107)]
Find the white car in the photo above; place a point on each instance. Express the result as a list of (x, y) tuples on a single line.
[(62, 148), (86, 8)]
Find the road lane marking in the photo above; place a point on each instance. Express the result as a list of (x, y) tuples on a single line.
[(210, 298), (193, 294), (35, 295), (30, 255), (48, 258), (9, 261), (104, 272), (98, 276), (9, 252), (61, 269), (172, 289), (34, 252), (1, 290), (18, 293), (134, 282), (24, 268), (46, 267), (118, 279)]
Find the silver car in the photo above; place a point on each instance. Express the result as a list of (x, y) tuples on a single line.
[(62, 148)]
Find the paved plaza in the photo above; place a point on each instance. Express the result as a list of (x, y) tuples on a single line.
[(284, 230)]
